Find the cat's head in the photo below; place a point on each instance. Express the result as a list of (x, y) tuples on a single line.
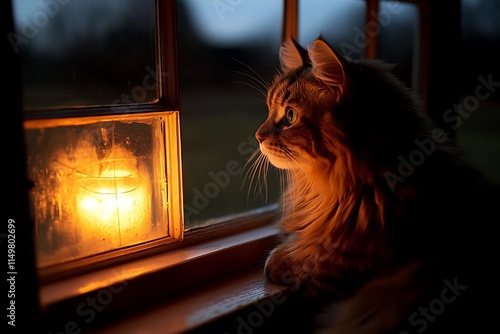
[(325, 110), (299, 102)]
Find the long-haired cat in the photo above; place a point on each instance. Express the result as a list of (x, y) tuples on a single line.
[(381, 219)]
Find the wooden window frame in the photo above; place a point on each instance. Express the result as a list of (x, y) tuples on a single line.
[(168, 102)]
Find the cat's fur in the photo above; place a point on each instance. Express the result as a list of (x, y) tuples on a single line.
[(369, 223)]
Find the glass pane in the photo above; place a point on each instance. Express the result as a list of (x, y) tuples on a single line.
[(228, 52), (343, 24), (99, 185), (478, 121), (86, 52)]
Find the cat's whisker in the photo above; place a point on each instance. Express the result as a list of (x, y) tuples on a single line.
[(289, 155), (284, 177), (262, 176), (255, 155), (287, 175), (261, 79), (285, 148), (260, 84), (266, 168), (283, 174), (257, 174), (253, 170), (260, 91), (308, 159), (278, 71), (254, 83)]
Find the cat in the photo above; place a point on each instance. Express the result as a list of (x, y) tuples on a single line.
[(381, 217)]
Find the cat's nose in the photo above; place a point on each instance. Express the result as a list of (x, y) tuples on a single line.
[(261, 135)]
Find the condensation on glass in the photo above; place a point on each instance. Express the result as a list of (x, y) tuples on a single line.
[(99, 184), (101, 181)]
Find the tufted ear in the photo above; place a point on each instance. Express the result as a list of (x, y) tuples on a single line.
[(328, 65), (292, 55)]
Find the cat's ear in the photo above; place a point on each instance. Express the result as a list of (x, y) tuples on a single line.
[(292, 55), (328, 65)]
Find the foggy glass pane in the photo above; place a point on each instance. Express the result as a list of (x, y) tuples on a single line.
[(86, 53), (98, 185)]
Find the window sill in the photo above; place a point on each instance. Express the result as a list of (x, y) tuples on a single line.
[(181, 289), (202, 307)]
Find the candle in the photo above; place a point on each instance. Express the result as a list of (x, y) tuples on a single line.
[(113, 203)]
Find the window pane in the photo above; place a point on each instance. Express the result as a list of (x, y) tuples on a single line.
[(478, 121), (86, 53), (343, 24), (99, 184), (228, 52)]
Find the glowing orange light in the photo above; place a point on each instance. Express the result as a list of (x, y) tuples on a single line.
[(112, 202), (101, 185)]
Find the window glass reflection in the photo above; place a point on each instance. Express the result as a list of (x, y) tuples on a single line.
[(86, 53)]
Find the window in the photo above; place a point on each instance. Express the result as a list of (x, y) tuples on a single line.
[(101, 127)]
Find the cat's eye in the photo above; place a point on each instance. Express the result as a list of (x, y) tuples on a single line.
[(290, 116)]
